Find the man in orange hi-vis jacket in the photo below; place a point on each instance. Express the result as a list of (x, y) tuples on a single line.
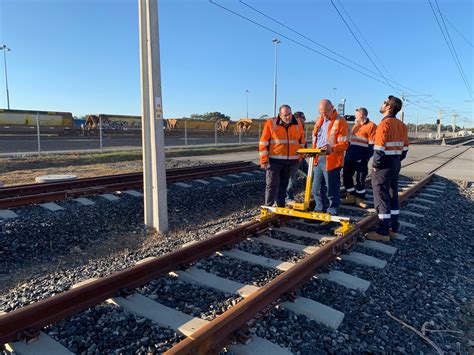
[(329, 134), (282, 136), (361, 148), (391, 147)]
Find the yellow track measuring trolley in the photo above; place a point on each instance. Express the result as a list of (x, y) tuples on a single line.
[(301, 209)]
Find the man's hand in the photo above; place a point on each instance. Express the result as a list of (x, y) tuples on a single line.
[(264, 166), (374, 170), (328, 149)]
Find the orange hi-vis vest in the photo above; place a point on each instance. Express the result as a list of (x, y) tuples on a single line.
[(363, 134), (337, 138), (391, 139), (280, 142)]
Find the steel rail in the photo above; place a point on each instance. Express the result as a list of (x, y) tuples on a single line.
[(27, 189), (110, 185), (219, 332), (30, 319)]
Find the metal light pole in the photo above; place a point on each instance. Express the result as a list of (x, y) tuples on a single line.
[(5, 49), (153, 140), (276, 41), (247, 92), (335, 96)]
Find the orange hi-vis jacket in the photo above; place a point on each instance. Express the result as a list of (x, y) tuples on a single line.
[(337, 138), (361, 141), (391, 141), (280, 142)]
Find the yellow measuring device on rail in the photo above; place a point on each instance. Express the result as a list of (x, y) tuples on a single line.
[(301, 209)]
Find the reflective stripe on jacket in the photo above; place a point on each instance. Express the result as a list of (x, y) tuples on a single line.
[(280, 142), (337, 138), (361, 142), (391, 140)]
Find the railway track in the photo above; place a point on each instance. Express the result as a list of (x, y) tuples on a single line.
[(53, 191), (202, 336)]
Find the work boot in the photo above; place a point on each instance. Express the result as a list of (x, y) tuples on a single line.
[(349, 200), (393, 235), (378, 237), (359, 202)]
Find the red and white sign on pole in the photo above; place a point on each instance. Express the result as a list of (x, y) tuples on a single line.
[(153, 140)]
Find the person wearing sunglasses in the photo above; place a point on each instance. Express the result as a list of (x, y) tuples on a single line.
[(391, 147)]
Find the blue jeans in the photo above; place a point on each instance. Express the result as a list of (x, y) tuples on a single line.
[(326, 188), (303, 166)]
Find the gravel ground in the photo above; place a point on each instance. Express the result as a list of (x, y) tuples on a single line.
[(237, 270), (427, 283), (269, 251), (195, 300), (107, 329)]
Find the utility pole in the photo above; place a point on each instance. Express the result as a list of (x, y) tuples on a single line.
[(276, 41), (5, 49), (153, 140), (416, 127), (455, 116), (247, 92), (438, 125), (335, 96)]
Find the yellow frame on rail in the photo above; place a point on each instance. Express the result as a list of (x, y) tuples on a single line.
[(301, 210)]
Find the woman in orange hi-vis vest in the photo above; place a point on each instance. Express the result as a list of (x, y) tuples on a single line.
[(391, 147), (281, 138), (330, 134)]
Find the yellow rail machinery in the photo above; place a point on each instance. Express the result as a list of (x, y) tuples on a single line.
[(301, 209)]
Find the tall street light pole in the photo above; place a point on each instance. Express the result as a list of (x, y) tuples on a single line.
[(5, 49), (247, 92), (276, 41), (335, 96)]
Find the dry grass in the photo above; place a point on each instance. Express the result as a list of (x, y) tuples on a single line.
[(24, 170)]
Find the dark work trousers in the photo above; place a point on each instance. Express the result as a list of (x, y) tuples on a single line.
[(278, 175), (385, 188), (360, 170), (303, 166), (326, 188)]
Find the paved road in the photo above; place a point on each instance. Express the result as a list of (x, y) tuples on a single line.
[(19, 144)]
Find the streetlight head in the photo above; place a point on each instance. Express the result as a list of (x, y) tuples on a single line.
[(276, 41)]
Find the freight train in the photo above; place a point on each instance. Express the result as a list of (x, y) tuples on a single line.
[(63, 123)]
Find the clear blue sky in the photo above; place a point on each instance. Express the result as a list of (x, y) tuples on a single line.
[(82, 56)]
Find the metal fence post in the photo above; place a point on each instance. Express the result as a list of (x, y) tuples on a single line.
[(215, 133), (100, 132), (185, 133), (38, 135)]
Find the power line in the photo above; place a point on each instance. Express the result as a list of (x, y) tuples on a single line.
[(449, 44), (321, 45), (459, 32), (296, 42), (363, 37), (360, 45), (299, 43)]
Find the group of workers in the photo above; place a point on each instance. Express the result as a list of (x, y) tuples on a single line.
[(387, 143)]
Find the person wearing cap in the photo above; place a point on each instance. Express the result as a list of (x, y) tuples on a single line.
[(329, 135), (281, 138), (361, 148), (391, 147), (303, 165)]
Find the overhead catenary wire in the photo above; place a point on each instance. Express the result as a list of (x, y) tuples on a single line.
[(449, 44), (363, 37), (253, 8), (361, 46), (235, 13), (459, 32)]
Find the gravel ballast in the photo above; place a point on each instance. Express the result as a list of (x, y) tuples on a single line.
[(427, 284)]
